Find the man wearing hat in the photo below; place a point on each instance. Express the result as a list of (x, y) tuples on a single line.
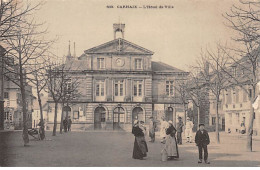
[(202, 140), (179, 130), (188, 130), (152, 127)]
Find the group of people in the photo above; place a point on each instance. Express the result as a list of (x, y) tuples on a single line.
[(67, 124), (168, 138)]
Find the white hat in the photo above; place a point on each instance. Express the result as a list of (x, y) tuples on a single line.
[(188, 118), (170, 122)]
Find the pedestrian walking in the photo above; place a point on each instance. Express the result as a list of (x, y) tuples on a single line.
[(202, 141), (65, 124), (140, 147), (164, 126), (41, 126), (188, 130), (69, 123), (152, 126), (171, 142), (179, 130)]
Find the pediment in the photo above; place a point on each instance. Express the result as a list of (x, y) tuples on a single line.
[(119, 46)]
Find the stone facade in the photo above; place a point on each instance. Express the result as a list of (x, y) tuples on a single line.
[(120, 83)]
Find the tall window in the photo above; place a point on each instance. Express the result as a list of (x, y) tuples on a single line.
[(138, 63), (6, 95), (68, 86), (119, 115), (213, 120), (101, 63), (100, 87), (138, 88), (169, 88), (119, 87)]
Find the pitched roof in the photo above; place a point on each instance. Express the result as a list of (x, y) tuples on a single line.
[(119, 46), (158, 66)]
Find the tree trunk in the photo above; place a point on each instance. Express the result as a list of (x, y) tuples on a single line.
[(24, 106), (198, 117), (41, 113), (55, 119), (61, 119), (185, 113), (25, 128), (1, 92), (249, 146), (217, 122)]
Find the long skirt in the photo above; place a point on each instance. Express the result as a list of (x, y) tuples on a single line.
[(171, 147), (140, 148)]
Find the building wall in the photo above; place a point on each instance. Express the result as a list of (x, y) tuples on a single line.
[(86, 112)]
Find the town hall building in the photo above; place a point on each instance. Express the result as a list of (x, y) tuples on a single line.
[(119, 83)]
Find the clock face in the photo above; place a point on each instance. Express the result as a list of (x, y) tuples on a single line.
[(120, 62)]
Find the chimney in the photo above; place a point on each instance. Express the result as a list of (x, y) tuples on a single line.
[(74, 53), (69, 53)]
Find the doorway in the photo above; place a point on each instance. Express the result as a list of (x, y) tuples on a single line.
[(99, 117), (118, 118), (169, 114), (137, 114)]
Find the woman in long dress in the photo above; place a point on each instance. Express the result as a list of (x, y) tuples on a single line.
[(164, 126), (140, 146), (171, 142)]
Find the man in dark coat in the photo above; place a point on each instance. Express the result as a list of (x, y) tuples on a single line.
[(69, 124), (65, 124), (179, 130), (202, 140)]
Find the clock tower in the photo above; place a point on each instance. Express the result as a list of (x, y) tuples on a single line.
[(119, 28)]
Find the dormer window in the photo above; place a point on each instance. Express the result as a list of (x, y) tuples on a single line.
[(138, 63), (100, 63)]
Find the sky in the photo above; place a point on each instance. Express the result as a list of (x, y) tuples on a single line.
[(176, 35)]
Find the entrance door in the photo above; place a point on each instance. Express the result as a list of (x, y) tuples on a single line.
[(99, 117), (137, 114), (118, 118), (169, 114)]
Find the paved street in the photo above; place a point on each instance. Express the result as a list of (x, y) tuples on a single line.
[(115, 149)]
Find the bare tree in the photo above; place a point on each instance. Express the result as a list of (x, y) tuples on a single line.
[(181, 88), (12, 13), (24, 48), (62, 87), (194, 90), (214, 76), (245, 20)]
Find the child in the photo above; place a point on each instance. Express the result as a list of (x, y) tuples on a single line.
[(202, 140)]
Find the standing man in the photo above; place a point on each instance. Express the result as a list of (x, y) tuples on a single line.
[(152, 127), (65, 124), (69, 124), (179, 130), (202, 141), (188, 130)]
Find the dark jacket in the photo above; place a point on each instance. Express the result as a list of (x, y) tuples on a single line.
[(137, 131), (202, 138), (171, 131)]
